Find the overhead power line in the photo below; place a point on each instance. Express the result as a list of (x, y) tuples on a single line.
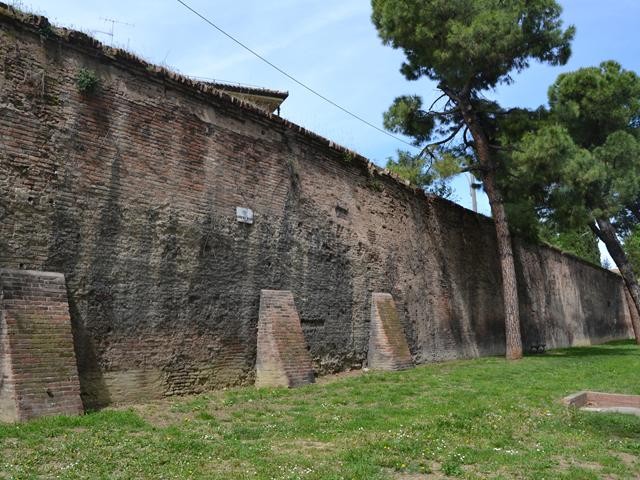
[(290, 77)]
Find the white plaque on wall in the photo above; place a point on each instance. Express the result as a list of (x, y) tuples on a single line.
[(244, 215)]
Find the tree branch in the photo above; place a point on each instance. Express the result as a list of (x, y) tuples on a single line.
[(427, 148), (437, 100), (595, 230), (445, 113), (467, 141), (449, 93), (473, 168)]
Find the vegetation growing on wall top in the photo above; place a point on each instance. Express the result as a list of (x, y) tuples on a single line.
[(87, 81)]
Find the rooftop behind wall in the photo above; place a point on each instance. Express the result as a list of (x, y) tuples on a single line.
[(131, 191)]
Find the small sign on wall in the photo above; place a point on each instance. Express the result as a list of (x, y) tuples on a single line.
[(244, 215)]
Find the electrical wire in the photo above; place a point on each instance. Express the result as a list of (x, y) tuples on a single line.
[(290, 77)]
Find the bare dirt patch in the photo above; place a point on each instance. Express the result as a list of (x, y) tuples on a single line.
[(419, 476), (564, 465), (626, 458), (307, 448), (334, 377)]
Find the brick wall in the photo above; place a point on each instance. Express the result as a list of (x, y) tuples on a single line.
[(131, 192), (388, 349), (282, 359), (39, 372)]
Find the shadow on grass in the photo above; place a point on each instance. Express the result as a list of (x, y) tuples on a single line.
[(611, 426), (52, 426), (618, 348)]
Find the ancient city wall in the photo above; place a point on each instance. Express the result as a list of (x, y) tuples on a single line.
[(131, 191)]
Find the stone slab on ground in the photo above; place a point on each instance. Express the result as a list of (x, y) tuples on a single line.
[(39, 374), (282, 357), (604, 402), (388, 348)]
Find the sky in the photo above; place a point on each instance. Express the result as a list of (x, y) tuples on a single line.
[(330, 45)]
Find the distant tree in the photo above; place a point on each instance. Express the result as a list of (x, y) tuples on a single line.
[(629, 218), (632, 249), (579, 241), (521, 209), (469, 47), (590, 156), (417, 170)]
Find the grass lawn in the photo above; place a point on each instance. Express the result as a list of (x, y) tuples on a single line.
[(481, 418)]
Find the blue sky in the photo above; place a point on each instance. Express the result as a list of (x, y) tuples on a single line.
[(332, 46)]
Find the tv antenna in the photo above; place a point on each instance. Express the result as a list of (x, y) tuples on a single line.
[(111, 32)]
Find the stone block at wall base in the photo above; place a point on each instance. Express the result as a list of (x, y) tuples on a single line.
[(37, 357), (282, 356), (388, 348)]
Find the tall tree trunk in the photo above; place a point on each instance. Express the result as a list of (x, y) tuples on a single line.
[(607, 233), (633, 313), (505, 246)]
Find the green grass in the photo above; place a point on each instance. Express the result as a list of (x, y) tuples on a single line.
[(484, 418)]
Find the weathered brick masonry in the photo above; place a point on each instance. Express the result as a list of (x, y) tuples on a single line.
[(131, 193), (282, 358), (39, 372), (388, 349)]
